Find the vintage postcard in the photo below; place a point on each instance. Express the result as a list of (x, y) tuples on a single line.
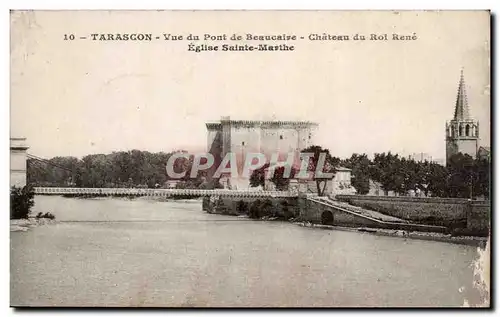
[(250, 159)]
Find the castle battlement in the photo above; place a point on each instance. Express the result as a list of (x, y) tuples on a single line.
[(261, 124), (214, 125)]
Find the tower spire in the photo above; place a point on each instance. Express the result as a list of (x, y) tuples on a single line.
[(461, 106)]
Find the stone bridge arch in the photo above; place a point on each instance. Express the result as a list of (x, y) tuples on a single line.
[(327, 217)]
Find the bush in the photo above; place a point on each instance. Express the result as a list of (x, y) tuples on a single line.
[(287, 213), (21, 201), (212, 184), (267, 208), (254, 210), (242, 206), (47, 215), (259, 209)]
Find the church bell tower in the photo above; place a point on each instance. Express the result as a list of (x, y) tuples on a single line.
[(462, 132)]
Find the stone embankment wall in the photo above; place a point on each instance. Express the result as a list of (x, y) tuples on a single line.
[(441, 211), (479, 218), (318, 211), (282, 207), (462, 215)]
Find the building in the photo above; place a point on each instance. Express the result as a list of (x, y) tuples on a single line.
[(18, 161), (462, 132), (267, 137), (254, 136), (420, 157), (484, 152), (339, 184), (425, 157)]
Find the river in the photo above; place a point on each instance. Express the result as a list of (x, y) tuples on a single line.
[(120, 252)]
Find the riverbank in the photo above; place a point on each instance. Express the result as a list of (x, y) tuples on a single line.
[(430, 236), (418, 235), (26, 224)]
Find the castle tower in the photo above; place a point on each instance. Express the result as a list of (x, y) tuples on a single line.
[(462, 132), (241, 137)]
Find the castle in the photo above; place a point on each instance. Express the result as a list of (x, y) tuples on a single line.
[(462, 132), (255, 136), (266, 137), (280, 138)]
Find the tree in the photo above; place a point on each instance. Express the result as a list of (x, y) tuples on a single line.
[(258, 177), (437, 180), (385, 170), (422, 176), (314, 166), (482, 180), (279, 180), (254, 210), (461, 176), (21, 201), (117, 169), (360, 171), (213, 183)]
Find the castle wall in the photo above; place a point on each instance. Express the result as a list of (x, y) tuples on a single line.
[(280, 140), (265, 137), (268, 140), (245, 139), (450, 212), (212, 138), (214, 147), (226, 138)]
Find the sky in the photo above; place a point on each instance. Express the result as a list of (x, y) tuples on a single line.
[(72, 98)]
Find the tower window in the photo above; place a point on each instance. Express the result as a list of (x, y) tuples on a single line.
[(460, 131), (281, 137), (467, 130), (243, 143)]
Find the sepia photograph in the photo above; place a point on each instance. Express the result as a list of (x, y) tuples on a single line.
[(250, 159)]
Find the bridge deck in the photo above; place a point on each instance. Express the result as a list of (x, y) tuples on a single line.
[(159, 192)]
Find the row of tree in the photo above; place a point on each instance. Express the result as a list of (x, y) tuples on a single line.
[(119, 169), (462, 177)]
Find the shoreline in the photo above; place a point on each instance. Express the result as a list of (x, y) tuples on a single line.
[(416, 235), (144, 198), (23, 225)]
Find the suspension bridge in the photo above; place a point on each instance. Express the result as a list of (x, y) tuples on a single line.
[(74, 191), (156, 192)]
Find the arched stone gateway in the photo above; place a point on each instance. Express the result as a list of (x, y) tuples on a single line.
[(327, 218)]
